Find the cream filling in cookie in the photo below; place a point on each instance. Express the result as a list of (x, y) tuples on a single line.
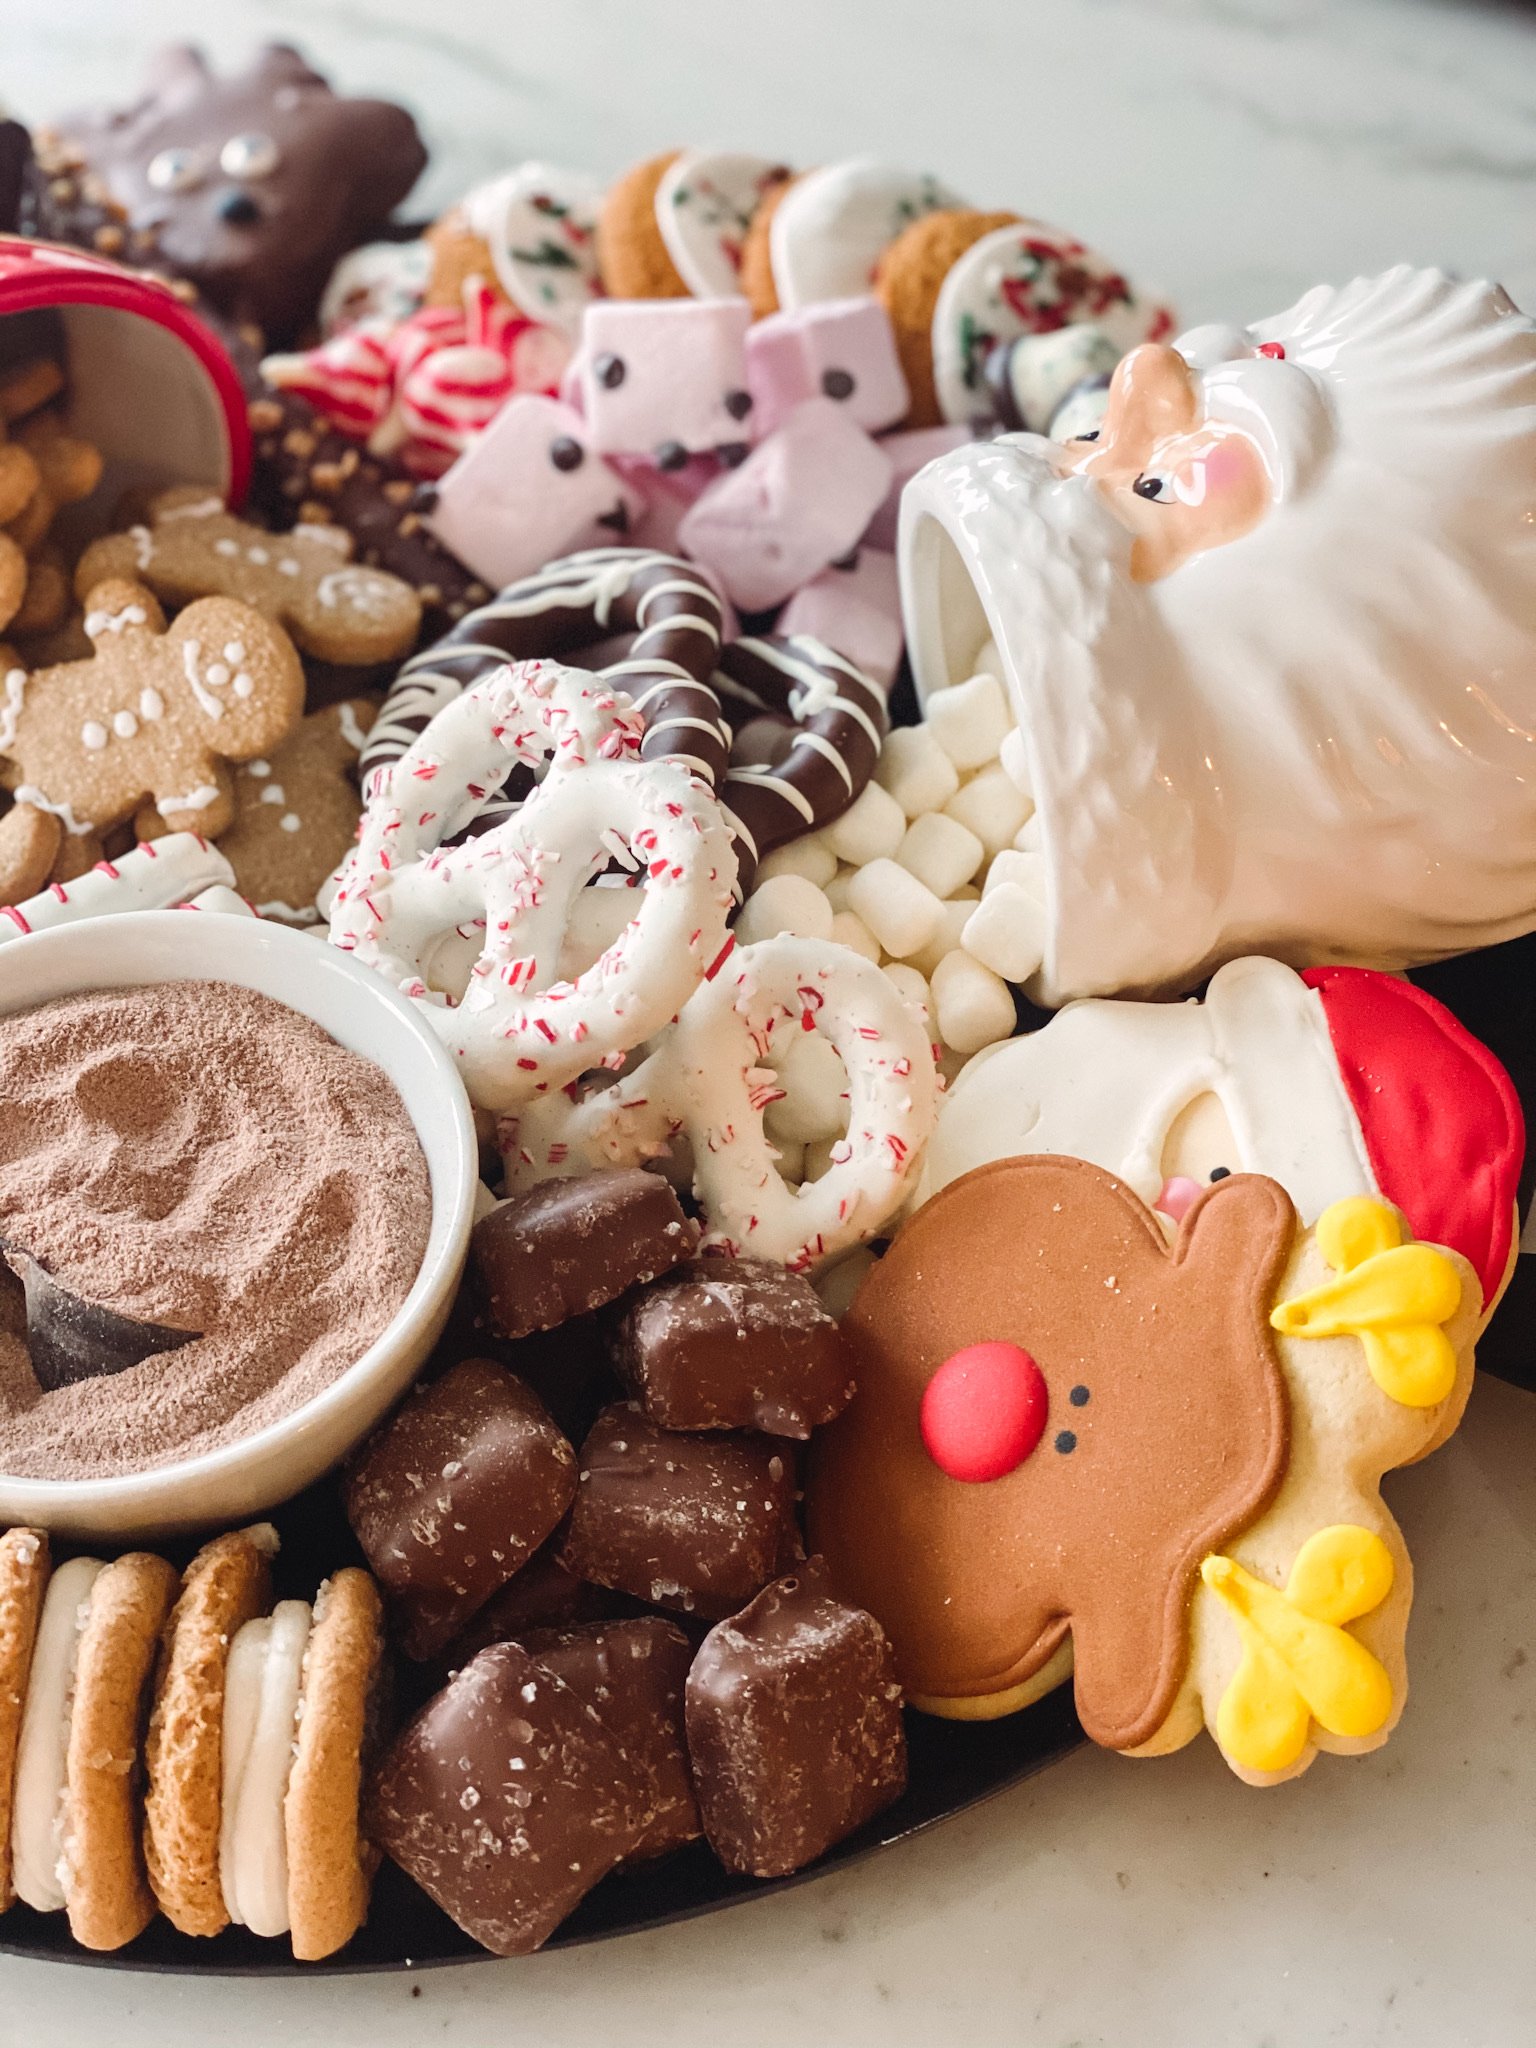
[(42, 1753), (261, 1703)]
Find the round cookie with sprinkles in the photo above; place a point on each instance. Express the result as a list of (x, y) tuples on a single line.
[(23, 1580), (910, 278), (830, 228), (677, 224), (632, 254), (533, 234), (226, 1585)]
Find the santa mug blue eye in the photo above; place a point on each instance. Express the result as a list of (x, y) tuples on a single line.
[(249, 156), (176, 170)]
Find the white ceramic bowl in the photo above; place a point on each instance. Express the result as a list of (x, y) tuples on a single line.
[(361, 1012)]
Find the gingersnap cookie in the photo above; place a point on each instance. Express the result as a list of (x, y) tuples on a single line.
[(632, 253), (23, 1578), (330, 1865), (756, 267), (908, 283), (188, 546), (106, 1891), (227, 1584)]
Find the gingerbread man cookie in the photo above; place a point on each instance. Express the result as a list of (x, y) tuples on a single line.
[(154, 715), (296, 813), (1058, 1410), (305, 581)]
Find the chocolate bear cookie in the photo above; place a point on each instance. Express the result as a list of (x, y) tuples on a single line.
[(250, 186)]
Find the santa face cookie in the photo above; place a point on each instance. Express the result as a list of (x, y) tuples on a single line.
[(1077, 1446), (1336, 1082)]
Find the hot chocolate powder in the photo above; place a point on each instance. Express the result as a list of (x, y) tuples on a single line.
[(199, 1155)]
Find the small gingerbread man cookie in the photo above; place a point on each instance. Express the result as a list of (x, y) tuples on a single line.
[(305, 581), (153, 715), (296, 813)]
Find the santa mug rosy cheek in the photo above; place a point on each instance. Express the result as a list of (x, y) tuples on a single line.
[(363, 1015)]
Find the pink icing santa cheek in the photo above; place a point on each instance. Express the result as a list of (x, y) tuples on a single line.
[(1177, 1196), (984, 1411)]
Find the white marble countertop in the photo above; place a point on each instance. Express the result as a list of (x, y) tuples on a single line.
[(1231, 152)]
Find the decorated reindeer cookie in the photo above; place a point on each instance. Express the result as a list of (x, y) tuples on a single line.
[(154, 716), (305, 581), (1079, 1446)]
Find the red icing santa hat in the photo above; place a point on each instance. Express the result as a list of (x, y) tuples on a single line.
[(1440, 1117)]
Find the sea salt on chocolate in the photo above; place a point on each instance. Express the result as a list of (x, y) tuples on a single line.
[(697, 1523), (734, 1344), (794, 1726), (631, 1674), (506, 1799), (455, 1494), (542, 1595), (568, 1246)]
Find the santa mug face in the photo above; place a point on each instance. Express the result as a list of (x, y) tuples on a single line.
[(1177, 481), (1270, 638)]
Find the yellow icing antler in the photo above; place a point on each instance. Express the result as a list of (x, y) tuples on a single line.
[(1299, 1665), (1394, 1297)]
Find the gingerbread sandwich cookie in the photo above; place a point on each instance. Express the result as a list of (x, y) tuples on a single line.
[(75, 1828), (299, 1707), (23, 1580), (226, 1585), (188, 546)]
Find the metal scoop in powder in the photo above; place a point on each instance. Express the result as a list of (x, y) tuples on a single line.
[(70, 1338)]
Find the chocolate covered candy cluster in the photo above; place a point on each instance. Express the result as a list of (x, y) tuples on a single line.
[(580, 1729)]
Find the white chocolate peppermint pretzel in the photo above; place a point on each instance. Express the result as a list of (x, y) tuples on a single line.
[(158, 875), (708, 1081), (421, 911)]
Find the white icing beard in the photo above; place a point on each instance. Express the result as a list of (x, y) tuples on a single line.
[(1313, 741), (1247, 1080), (262, 1686), (38, 1816)]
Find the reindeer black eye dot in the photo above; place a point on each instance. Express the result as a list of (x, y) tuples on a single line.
[(1221, 1173), (1078, 1397), (1065, 1441)]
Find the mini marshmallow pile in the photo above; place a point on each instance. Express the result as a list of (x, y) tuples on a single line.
[(935, 874)]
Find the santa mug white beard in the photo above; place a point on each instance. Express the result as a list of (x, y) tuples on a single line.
[(1315, 739)]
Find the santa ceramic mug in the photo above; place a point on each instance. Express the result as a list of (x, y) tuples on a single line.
[(149, 384), (1269, 633)]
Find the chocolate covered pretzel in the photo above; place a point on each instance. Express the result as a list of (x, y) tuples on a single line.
[(576, 603), (840, 721)]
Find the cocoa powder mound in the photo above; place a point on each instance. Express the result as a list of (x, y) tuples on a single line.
[(197, 1154)]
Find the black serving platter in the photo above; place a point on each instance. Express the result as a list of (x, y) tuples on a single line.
[(954, 1764)]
